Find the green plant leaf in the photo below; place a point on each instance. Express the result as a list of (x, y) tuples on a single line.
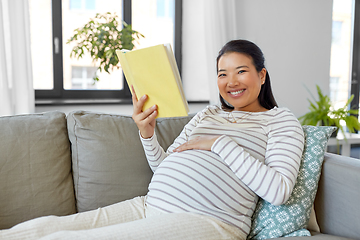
[(101, 37), (322, 113)]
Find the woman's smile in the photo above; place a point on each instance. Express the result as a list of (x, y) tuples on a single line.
[(237, 93)]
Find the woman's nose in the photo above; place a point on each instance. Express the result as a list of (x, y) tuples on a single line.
[(233, 81)]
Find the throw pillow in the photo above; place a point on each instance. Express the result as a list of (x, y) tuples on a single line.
[(109, 164), (291, 218), (35, 168)]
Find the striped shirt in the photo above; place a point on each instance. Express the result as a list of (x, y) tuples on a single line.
[(256, 154)]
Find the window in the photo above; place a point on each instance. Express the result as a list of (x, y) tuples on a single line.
[(341, 47), (57, 77), (345, 53), (334, 91)]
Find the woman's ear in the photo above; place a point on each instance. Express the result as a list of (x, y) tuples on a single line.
[(262, 75)]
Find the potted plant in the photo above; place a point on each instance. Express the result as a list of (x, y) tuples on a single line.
[(101, 37), (322, 113)]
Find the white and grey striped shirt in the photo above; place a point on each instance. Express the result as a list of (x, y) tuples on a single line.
[(257, 154)]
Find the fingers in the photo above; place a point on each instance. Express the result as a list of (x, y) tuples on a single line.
[(192, 144), (133, 95), (138, 105), (145, 120), (146, 124), (201, 143), (140, 115), (183, 148), (149, 114)]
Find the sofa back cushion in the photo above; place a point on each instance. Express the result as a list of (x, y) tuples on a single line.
[(109, 164), (35, 168)]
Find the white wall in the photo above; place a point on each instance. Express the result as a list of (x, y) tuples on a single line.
[(295, 37)]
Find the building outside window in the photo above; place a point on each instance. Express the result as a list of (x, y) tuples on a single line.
[(83, 5), (82, 78)]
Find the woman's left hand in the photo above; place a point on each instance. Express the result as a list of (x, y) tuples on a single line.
[(201, 143)]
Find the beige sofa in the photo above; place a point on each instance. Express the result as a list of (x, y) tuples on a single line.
[(53, 164)]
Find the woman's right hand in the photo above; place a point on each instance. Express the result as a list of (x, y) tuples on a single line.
[(145, 120)]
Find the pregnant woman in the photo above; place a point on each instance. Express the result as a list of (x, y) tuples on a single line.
[(207, 183)]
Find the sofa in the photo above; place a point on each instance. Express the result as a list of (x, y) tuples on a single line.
[(57, 164)]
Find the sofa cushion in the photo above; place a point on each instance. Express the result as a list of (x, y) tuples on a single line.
[(35, 168), (291, 218), (109, 164)]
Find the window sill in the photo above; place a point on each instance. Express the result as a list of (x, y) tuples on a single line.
[(62, 102)]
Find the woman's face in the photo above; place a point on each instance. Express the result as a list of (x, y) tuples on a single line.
[(239, 82)]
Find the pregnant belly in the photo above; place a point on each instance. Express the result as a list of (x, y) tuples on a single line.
[(199, 181)]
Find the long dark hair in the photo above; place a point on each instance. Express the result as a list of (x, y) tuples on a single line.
[(266, 97)]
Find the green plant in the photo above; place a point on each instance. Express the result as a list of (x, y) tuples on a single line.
[(101, 37), (322, 113)]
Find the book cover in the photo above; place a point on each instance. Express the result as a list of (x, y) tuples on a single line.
[(153, 71)]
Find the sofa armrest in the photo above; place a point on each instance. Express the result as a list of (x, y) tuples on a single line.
[(337, 201)]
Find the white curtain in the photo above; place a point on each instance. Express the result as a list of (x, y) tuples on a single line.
[(220, 27), (207, 26), (16, 84)]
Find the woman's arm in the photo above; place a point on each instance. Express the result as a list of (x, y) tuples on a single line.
[(153, 151), (273, 180), (155, 154)]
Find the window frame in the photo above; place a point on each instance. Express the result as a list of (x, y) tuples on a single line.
[(355, 71), (60, 96)]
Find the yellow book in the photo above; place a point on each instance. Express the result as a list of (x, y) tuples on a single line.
[(153, 71)]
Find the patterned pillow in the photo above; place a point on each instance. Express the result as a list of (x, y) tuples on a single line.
[(291, 218)]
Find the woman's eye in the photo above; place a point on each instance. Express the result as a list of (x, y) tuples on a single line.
[(222, 75), (241, 71)]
